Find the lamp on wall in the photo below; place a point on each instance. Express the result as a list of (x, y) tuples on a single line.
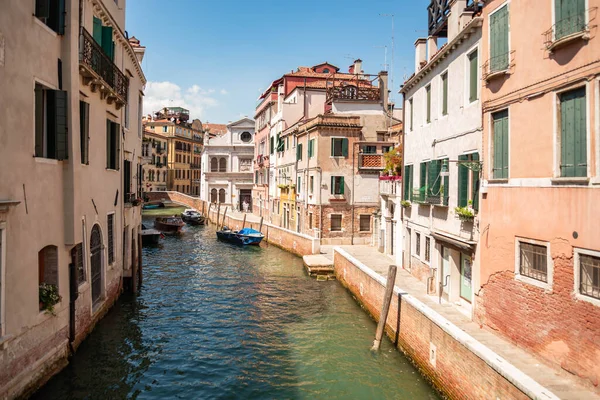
[(444, 172)]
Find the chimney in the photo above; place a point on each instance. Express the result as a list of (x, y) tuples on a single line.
[(357, 69), (383, 89), (431, 47), (351, 69), (454, 19), (138, 49), (420, 52)]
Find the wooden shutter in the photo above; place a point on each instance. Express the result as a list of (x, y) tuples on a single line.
[(117, 130), (411, 114), (573, 134), (42, 8), (299, 152), (446, 194), (60, 124), (311, 147), (499, 40), (445, 94), (500, 143), (107, 43), (84, 123), (97, 31), (423, 175), (406, 181), (428, 90), (475, 183), (332, 147), (127, 181), (345, 147), (341, 185), (410, 183), (569, 17), (473, 82), (434, 180), (463, 182), (60, 21), (332, 185), (272, 147), (108, 144)]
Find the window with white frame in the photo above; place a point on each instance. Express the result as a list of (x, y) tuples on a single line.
[(533, 262), (418, 244), (427, 249), (587, 275)]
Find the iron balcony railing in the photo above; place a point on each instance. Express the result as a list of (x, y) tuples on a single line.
[(498, 64), (94, 59), (424, 196), (573, 26)]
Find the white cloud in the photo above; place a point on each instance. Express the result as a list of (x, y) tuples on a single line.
[(168, 94), (223, 91)]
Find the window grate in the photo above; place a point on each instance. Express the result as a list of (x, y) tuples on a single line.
[(336, 223), (589, 284), (427, 249), (111, 240), (534, 261), (418, 244), (365, 223)]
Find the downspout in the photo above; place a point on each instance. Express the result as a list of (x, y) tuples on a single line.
[(403, 150), (353, 173)]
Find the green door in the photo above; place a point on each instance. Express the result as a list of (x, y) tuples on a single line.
[(466, 291)]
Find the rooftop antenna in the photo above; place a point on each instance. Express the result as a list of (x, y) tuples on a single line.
[(392, 62), (385, 64)]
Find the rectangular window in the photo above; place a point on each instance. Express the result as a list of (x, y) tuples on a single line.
[(428, 110), (569, 17), (299, 152), (573, 133), (256, 177), (311, 148), (312, 184), (337, 185), (113, 145), (369, 149), (84, 131), (299, 185), (51, 13), (473, 76), (127, 192), (499, 40), (50, 123), (103, 35), (445, 93), (468, 181), (111, 238), (589, 275), (78, 260), (339, 147), (365, 223), (533, 261), (164, 129), (280, 143), (272, 144), (408, 182), (418, 244), (500, 144), (336, 223), (427, 248), (310, 220), (410, 102)]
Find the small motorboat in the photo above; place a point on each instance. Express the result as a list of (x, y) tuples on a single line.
[(169, 224), (193, 217), (150, 236), (153, 205), (244, 237)]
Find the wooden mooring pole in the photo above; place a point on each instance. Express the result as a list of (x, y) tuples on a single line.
[(224, 214), (387, 300), (260, 226), (218, 214), (244, 222)]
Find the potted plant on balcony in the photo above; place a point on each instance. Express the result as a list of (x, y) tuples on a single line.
[(49, 297), (393, 163), (405, 203), (465, 213)]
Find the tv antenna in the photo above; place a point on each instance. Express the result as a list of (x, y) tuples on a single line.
[(385, 64), (392, 62)]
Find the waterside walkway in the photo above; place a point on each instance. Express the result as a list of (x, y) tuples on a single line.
[(560, 383)]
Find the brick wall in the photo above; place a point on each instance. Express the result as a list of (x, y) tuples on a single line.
[(457, 372), (348, 229)]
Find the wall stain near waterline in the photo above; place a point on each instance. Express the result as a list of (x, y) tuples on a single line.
[(217, 321)]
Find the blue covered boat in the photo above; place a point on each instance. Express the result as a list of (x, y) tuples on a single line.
[(246, 236)]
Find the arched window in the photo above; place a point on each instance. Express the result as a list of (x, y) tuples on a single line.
[(325, 70), (164, 176), (246, 137), (214, 165), (221, 195), (96, 262), (222, 164), (350, 92), (213, 195)]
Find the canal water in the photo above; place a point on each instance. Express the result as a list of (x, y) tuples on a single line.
[(215, 321)]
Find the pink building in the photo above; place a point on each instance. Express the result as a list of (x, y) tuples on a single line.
[(539, 282)]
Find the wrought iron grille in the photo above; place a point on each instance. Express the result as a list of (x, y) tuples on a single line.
[(589, 284), (92, 55), (111, 239), (533, 261), (570, 25), (427, 249)]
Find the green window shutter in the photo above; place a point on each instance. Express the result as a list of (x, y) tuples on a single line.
[(434, 180), (500, 144), (97, 31), (60, 28), (341, 185), (475, 184), (473, 82), (299, 152), (445, 94), (446, 194), (463, 182), (406, 181), (499, 40), (58, 101), (569, 17), (411, 114), (117, 130), (108, 143), (410, 183), (107, 43), (573, 134), (423, 175), (345, 147), (42, 8), (332, 147), (428, 91), (332, 185), (271, 147)]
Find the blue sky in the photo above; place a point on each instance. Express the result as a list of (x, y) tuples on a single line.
[(215, 57)]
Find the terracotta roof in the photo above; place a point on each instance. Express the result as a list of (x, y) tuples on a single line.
[(215, 129)]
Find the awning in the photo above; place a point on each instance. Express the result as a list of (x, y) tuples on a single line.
[(462, 244)]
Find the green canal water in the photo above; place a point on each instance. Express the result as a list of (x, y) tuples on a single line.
[(215, 321)]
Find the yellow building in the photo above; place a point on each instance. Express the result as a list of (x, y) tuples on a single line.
[(184, 145)]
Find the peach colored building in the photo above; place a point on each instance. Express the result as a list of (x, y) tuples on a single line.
[(539, 281)]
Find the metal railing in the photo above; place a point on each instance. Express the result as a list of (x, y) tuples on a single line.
[(499, 63), (93, 57), (570, 26), (390, 187)]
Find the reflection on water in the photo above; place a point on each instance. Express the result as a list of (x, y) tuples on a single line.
[(217, 321)]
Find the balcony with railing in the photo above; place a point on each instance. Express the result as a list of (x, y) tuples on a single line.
[(390, 186), (371, 161), (572, 28), (360, 88), (425, 196), (499, 65), (100, 72)]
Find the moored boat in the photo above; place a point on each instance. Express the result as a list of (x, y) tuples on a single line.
[(193, 217), (169, 224), (244, 237), (150, 236), (153, 205)]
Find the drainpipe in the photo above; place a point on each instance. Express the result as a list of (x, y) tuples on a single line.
[(353, 173), (403, 177)]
